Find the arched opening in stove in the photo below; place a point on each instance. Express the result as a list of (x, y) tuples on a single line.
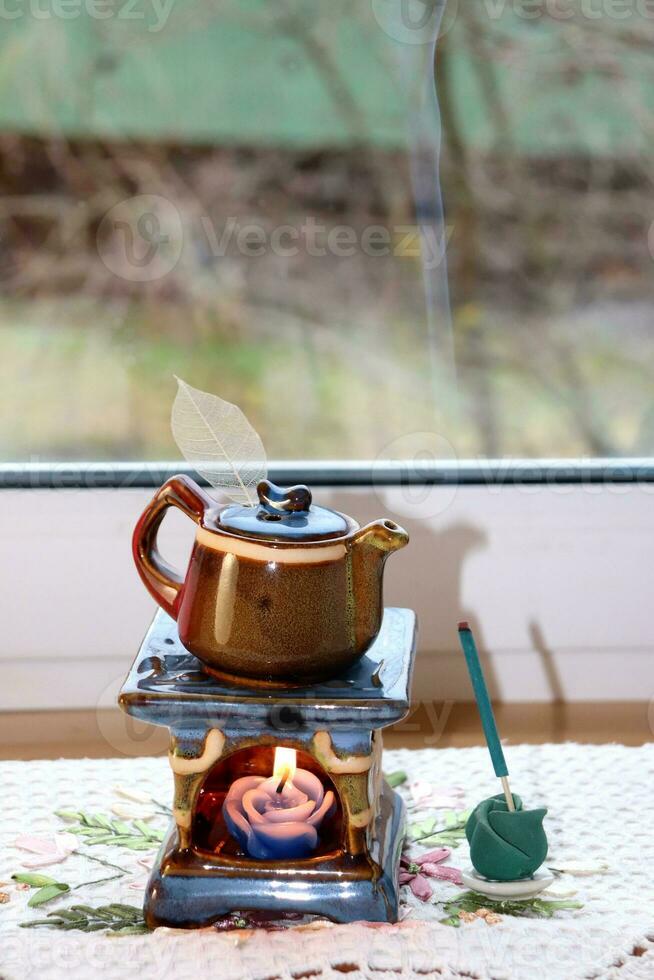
[(210, 831)]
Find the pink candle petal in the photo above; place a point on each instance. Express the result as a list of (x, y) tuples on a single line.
[(262, 807), (291, 793), (325, 808), (244, 784), (307, 783), (289, 797), (233, 811), (252, 803), (293, 814)]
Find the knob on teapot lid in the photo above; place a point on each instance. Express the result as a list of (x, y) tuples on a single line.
[(285, 513), (293, 500)]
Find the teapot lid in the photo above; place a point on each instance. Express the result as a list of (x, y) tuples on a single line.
[(286, 514)]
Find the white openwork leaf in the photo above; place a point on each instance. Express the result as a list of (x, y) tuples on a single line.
[(217, 439)]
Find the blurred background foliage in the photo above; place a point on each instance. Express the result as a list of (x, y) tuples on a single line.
[(153, 152)]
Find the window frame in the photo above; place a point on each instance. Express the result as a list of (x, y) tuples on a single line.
[(568, 558), (124, 475)]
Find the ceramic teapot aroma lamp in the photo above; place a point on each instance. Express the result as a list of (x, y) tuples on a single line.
[(280, 805), (286, 592)]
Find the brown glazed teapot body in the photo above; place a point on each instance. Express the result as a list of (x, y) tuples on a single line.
[(285, 593)]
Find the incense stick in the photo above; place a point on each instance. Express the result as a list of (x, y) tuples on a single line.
[(485, 710)]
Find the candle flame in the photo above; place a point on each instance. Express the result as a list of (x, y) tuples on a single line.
[(285, 763)]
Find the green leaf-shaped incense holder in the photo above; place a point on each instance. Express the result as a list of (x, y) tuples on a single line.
[(506, 846)]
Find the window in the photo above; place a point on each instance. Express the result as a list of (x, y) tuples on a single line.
[(247, 195)]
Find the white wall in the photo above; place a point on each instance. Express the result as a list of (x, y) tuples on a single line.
[(556, 581)]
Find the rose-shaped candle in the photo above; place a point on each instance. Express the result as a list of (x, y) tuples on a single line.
[(278, 816)]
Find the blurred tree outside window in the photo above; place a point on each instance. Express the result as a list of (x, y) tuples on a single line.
[(246, 194)]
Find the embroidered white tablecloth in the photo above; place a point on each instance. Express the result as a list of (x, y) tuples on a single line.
[(601, 801)]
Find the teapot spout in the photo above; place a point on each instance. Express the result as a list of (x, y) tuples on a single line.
[(384, 535), (371, 546)]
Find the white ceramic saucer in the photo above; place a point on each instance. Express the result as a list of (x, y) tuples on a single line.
[(525, 888)]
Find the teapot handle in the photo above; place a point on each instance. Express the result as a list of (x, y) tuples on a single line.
[(161, 580)]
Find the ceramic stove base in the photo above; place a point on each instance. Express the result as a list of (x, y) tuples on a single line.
[(187, 893), (220, 732)]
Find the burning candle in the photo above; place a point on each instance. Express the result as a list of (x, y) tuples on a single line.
[(278, 816)]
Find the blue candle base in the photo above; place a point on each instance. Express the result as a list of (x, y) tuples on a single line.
[(196, 892)]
